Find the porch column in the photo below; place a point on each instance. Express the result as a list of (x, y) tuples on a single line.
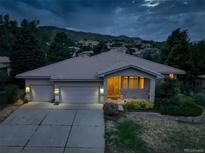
[(152, 90), (105, 89)]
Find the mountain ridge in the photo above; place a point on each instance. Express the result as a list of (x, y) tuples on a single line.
[(79, 35)]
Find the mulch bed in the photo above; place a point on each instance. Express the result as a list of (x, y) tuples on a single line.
[(5, 112)]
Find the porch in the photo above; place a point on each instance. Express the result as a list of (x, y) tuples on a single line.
[(118, 88)]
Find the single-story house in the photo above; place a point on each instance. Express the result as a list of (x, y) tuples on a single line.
[(5, 64), (200, 83), (91, 79)]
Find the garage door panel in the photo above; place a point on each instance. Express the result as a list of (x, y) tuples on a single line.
[(42, 93), (79, 94)]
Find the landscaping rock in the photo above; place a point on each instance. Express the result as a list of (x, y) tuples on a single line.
[(111, 109), (194, 119), (120, 108)]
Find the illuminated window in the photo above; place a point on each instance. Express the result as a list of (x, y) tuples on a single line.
[(133, 82), (125, 82), (141, 83)]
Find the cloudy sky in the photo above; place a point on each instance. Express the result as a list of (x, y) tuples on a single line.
[(148, 19)]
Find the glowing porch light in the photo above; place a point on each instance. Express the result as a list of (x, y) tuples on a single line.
[(171, 76), (27, 89), (101, 90), (56, 91)]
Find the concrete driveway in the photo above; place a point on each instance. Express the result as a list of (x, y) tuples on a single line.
[(43, 127)]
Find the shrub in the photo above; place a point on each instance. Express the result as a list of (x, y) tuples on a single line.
[(12, 92), (4, 77), (167, 89), (180, 105), (199, 98), (139, 104), (125, 137), (3, 100)]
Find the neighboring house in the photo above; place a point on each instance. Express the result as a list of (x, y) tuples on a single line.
[(111, 74), (5, 65), (200, 83)]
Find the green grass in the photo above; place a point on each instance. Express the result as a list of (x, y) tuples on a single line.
[(125, 137)]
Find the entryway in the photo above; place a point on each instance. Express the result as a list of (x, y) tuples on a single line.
[(114, 87)]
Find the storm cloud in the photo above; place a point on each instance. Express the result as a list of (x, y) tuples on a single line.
[(148, 19)]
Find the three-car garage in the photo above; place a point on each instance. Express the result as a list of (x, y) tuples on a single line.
[(69, 92)]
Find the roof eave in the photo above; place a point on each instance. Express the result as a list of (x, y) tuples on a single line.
[(103, 74), (32, 77)]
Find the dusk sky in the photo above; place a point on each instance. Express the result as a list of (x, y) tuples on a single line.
[(148, 19)]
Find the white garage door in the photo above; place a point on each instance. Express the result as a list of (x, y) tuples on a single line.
[(79, 94), (42, 93)]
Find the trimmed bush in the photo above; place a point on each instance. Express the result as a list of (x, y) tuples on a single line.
[(199, 98), (3, 100), (180, 105), (167, 89), (12, 92), (139, 104)]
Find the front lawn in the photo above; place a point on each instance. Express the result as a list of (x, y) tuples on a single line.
[(153, 134)]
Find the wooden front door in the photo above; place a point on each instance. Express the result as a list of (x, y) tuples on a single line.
[(114, 86)]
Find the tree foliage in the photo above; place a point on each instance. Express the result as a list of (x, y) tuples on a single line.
[(197, 58), (59, 49), (26, 52), (176, 50), (8, 29), (101, 47)]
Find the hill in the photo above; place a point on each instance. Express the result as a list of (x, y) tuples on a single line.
[(87, 35)]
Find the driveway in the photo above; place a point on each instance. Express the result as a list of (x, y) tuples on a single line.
[(44, 127)]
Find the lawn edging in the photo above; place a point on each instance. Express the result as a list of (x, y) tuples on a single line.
[(187, 119)]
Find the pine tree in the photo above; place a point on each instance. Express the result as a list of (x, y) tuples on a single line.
[(59, 49), (8, 30), (26, 52), (176, 51)]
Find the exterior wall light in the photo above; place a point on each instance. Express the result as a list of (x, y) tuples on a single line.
[(56, 95), (101, 91), (172, 76), (27, 90), (56, 91), (28, 93)]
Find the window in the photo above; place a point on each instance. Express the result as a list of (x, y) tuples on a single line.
[(141, 83), (125, 82), (133, 82)]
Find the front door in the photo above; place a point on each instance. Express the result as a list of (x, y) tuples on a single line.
[(114, 86)]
